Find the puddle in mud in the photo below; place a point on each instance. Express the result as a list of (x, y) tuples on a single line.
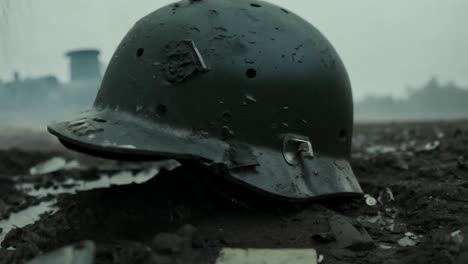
[(32, 214), (105, 181), (26, 217)]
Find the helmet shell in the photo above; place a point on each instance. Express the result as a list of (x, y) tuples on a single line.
[(240, 86)]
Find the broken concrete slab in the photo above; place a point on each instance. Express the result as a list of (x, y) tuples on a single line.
[(349, 234), (267, 256), (80, 253)]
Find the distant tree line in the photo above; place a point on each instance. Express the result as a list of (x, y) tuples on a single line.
[(432, 98)]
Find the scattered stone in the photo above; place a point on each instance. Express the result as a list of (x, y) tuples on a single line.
[(167, 243), (49, 166), (370, 201), (350, 235), (457, 237), (400, 163), (267, 256), (386, 196), (80, 253), (320, 259), (431, 146), (323, 237), (409, 240)]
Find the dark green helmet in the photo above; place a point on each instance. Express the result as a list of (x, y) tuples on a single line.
[(244, 87)]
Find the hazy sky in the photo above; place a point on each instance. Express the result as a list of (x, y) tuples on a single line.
[(386, 45)]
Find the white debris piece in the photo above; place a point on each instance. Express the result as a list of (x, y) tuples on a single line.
[(267, 256), (457, 237), (370, 201), (409, 240), (49, 166)]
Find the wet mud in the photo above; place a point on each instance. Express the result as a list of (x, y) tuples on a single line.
[(415, 176)]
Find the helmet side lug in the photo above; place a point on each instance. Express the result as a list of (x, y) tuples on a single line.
[(295, 148)]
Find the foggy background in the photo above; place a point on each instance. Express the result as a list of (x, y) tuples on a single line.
[(386, 45), (406, 59)]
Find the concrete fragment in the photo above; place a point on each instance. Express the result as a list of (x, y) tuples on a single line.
[(350, 234), (267, 256), (80, 253)]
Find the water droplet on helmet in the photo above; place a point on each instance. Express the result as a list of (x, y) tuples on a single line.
[(226, 117), (227, 133), (250, 98), (249, 61), (99, 120)]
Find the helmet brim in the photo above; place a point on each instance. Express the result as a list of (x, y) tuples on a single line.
[(116, 134)]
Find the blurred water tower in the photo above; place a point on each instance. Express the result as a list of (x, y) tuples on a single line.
[(84, 65)]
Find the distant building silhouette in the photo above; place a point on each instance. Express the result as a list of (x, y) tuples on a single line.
[(84, 65), (45, 98)]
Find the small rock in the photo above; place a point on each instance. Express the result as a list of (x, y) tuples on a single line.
[(160, 259), (386, 196), (49, 166), (187, 231), (457, 237), (409, 240), (168, 243), (191, 233), (370, 201), (463, 255), (400, 163), (350, 235), (324, 237), (82, 253), (270, 256)]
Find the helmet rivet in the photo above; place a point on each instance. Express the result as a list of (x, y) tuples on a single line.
[(161, 109), (140, 52), (226, 117), (251, 73)]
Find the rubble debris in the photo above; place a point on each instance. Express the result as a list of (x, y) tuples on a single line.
[(386, 196), (409, 240), (432, 205), (350, 234), (400, 163), (53, 165), (370, 201), (267, 256), (24, 217), (457, 237), (431, 146), (49, 166), (463, 251), (323, 237), (380, 149), (80, 253)]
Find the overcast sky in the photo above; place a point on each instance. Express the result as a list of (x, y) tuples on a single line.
[(386, 45)]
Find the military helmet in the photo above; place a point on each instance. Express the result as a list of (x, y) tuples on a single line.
[(245, 88)]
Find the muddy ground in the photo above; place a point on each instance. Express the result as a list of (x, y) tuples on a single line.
[(416, 176)]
